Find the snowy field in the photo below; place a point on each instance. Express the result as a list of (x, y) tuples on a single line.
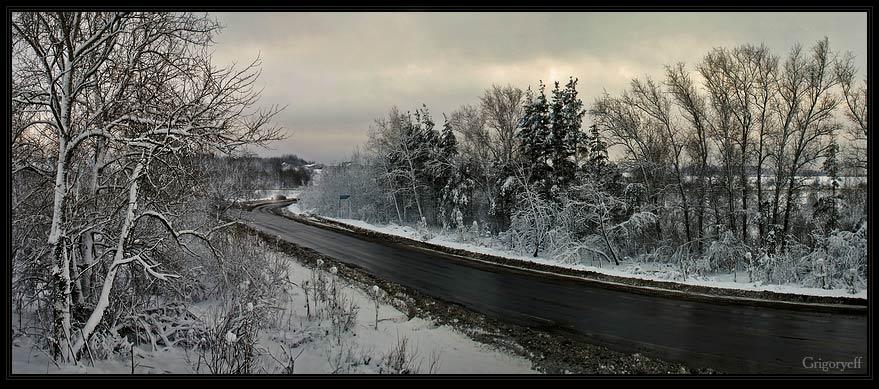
[(311, 342), (267, 194), (641, 270), (768, 180)]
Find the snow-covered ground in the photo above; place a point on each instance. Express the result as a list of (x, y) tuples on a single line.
[(267, 194), (311, 343), (641, 270), (769, 180)]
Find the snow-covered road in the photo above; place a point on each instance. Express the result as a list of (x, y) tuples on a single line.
[(731, 338)]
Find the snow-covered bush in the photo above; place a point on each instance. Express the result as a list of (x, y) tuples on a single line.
[(562, 246), (459, 225), (243, 272), (726, 253), (165, 325), (473, 232), (851, 281), (376, 293), (531, 222), (628, 234), (636, 224), (690, 264), (635, 195), (819, 273), (401, 359), (253, 280), (423, 230), (342, 311), (834, 259), (788, 267), (107, 345), (227, 343), (326, 300), (343, 357)]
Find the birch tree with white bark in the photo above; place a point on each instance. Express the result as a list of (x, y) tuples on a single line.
[(124, 101)]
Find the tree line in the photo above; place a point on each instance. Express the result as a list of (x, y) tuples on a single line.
[(715, 161)]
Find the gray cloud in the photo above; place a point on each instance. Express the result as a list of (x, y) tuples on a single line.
[(337, 72)]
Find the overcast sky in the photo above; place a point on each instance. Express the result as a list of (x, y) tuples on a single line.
[(337, 72)]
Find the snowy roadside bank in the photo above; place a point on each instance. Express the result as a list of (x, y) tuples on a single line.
[(631, 274), (338, 327), (549, 353)]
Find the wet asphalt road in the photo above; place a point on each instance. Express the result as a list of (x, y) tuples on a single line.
[(729, 338)]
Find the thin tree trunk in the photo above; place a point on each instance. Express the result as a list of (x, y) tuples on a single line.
[(118, 260), (613, 253), (744, 179), (787, 211), (77, 282), (761, 226), (397, 207), (88, 255), (60, 264), (685, 207), (88, 239), (717, 218)]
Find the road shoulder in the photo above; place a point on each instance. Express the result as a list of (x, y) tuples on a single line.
[(765, 299)]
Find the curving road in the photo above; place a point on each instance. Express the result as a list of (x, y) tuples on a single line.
[(730, 338)]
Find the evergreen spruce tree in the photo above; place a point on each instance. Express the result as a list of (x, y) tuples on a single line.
[(534, 138), (430, 164), (551, 138), (568, 135), (598, 166), (596, 157), (444, 173), (827, 207), (448, 144)]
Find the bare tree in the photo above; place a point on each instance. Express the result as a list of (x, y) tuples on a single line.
[(502, 108), (729, 74), (383, 137), (475, 140), (480, 150), (399, 143), (694, 107), (129, 97), (644, 143), (534, 217), (765, 96), (722, 128), (809, 116), (855, 95), (652, 100)]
